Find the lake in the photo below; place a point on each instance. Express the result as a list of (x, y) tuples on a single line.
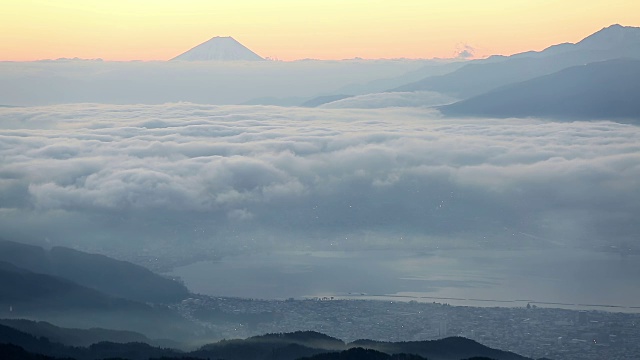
[(555, 278)]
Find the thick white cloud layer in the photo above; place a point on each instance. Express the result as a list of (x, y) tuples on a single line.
[(249, 176)]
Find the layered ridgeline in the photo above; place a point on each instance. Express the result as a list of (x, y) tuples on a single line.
[(25, 293), (28, 295), (77, 289), (480, 76), (19, 345), (607, 90), (288, 346), (74, 336), (113, 277)]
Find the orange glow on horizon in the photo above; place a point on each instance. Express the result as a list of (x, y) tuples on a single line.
[(291, 30)]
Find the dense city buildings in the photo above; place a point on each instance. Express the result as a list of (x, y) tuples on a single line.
[(531, 331)]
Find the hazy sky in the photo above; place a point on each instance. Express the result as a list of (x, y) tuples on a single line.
[(294, 29)]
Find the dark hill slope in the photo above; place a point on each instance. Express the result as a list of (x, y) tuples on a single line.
[(268, 347), (113, 277), (295, 345), (603, 90), (307, 338), (444, 349), (362, 354), (73, 337), (24, 294), (31, 343), (13, 352), (103, 350), (284, 346)]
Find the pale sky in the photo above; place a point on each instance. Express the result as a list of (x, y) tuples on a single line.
[(297, 29)]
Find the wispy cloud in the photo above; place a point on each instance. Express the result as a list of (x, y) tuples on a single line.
[(465, 51)]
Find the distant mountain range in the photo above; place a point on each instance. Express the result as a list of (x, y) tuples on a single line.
[(219, 49), (596, 78), (601, 90), (478, 77)]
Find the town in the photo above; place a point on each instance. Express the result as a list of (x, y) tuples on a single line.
[(531, 331)]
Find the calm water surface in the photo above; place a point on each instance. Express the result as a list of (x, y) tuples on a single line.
[(559, 278)]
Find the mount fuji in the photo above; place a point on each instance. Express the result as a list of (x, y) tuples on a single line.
[(219, 49)]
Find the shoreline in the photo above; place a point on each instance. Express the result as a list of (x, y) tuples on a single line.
[(475, 302)]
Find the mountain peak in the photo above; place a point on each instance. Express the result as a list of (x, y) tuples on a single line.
[(611, 36), (219, 48)]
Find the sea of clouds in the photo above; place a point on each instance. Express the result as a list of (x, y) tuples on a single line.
[(253, 177)]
